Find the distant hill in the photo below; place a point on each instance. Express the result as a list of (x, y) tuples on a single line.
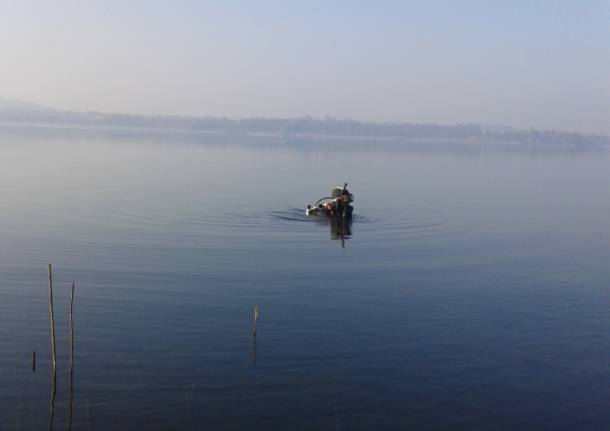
[(14, 111), (17, 106)]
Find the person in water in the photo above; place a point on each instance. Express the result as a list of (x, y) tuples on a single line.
[(336, 205), (339, 203)]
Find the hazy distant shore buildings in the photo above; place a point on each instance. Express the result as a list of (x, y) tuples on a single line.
[(20, 113)]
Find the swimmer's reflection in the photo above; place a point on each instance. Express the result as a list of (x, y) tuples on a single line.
[(340, 229)]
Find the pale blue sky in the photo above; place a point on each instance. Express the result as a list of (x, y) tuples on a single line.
[(541, 64)]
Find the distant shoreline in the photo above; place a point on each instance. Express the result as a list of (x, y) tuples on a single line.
[(297, 128), (62, 131)]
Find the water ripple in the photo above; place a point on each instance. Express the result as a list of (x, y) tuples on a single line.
[(390, 224)]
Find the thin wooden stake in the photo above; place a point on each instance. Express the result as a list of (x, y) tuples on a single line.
[(34, 361), (255, 319), (71, 327), (52, 317), (52, 399)]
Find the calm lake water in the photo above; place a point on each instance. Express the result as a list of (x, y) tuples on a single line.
[(471, 291)]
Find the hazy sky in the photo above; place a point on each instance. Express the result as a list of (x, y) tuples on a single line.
[(542, 64)]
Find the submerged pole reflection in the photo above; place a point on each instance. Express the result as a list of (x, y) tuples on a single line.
[(71, 404)]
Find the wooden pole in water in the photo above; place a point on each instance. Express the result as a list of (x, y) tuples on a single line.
[(71, 327), (255, 319), (52, 399), (34, 361), (254, 334), (52, 318)]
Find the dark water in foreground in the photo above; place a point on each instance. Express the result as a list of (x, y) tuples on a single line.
[(472, 290)]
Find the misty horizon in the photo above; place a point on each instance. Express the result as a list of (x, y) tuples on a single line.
[(25, 109), (308, 127)]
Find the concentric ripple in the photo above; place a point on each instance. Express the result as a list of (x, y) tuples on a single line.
[(387, 226)]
